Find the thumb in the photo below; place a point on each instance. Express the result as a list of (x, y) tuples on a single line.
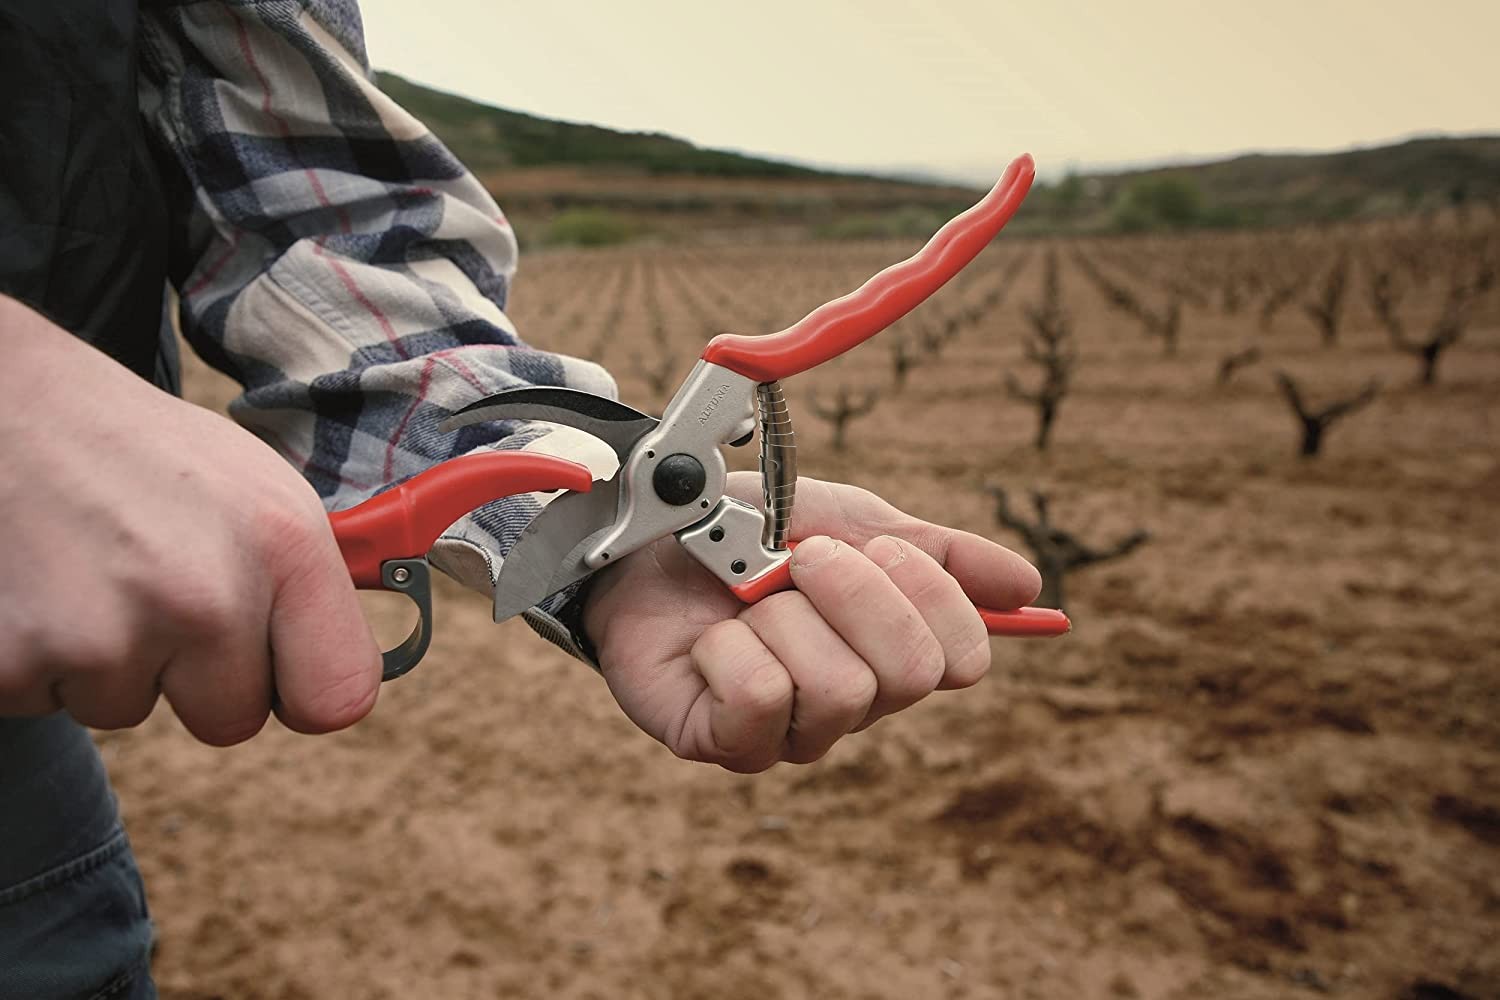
[(326, 662), (991, 575)]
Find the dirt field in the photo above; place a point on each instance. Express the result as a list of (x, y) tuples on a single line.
[(1266, 763)]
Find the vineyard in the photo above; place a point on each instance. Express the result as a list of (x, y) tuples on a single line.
[(1260, 470)]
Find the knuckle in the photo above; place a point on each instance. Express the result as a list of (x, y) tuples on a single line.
[(340, 703), (777, 606), (95, 650), (227, 732), (115, 713), (755, 680), (782, 603), (920, 667), (288, 526), (806, 754), (236, 733), (748, 765), (928, 584), (685, 751), (762, 685), (970, 665), (932, 539), (854, 694), (133, 715), (855, 583), (202, 604)]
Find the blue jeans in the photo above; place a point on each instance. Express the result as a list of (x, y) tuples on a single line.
[(73, 922)]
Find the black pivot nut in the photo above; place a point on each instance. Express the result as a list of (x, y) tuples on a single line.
[(679, 479)]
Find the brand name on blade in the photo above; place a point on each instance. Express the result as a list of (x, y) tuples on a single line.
[(713, 402)]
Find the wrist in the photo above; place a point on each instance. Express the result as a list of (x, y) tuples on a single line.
[(573, 617), (37, 350), (594, 608)]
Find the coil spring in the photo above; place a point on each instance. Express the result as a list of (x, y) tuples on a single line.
[(778, 463)]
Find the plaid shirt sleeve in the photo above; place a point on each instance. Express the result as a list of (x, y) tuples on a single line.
[(338, 261)]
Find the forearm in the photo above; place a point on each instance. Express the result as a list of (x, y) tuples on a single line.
[(339, 262)]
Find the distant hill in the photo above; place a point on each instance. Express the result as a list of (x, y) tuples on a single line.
[(562, 182), (488, 138), (652, 184), (1272, 189)]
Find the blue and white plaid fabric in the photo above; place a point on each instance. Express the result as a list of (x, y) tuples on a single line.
[(335, 258)]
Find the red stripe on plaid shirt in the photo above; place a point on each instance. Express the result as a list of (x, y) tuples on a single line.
[(286, 133), (423, 382), (248, 51), (352, 286)]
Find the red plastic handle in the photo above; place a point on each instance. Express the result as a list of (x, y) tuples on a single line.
[(1040, 623), (1021, 623), (402, 523), (837, 326)]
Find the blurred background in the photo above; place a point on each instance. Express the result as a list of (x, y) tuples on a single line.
[(1231, 378), (1098, 93)]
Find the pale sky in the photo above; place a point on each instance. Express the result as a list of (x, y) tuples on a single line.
[(960, 87)]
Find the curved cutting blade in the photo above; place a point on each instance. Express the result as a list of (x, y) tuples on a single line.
[(612, 422), (549, 554)]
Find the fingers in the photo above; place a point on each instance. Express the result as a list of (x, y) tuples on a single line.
[(221, 691), (834, 688), (992, 575), (878, 621), (106, 700), (740, 721), (98, 670), (943, 605), (324, 657)]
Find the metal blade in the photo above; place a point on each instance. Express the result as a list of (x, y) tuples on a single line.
[(614, 423), (549, 554)]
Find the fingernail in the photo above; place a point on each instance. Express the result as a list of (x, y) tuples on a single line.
[(885, 552), (813, 550)]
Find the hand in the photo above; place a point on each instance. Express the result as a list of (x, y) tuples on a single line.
[(883, 614), (152, 547)]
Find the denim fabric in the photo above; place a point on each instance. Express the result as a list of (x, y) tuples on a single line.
[(73, 921)]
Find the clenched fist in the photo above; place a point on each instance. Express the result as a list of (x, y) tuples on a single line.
[(154, 548)]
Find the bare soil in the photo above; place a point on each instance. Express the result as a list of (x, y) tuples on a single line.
[(1266, 763)]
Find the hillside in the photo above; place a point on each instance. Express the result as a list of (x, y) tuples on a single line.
[(566, 183), (563, 182), (1275, 189), (488, 138)]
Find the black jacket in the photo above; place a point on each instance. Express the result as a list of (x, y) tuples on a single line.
[(83, 228)]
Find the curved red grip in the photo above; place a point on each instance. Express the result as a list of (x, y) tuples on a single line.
[(1040, 623), (837, 326), (1021, 623), (402, 523)]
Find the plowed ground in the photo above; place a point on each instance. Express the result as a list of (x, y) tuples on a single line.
[(1266, 763)]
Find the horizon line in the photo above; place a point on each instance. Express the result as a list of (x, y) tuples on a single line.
[(966, 175)]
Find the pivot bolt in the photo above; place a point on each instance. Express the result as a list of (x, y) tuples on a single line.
[(401, 574), (679, 479)]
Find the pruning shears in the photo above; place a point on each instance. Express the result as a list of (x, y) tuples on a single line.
[(671, 474)]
